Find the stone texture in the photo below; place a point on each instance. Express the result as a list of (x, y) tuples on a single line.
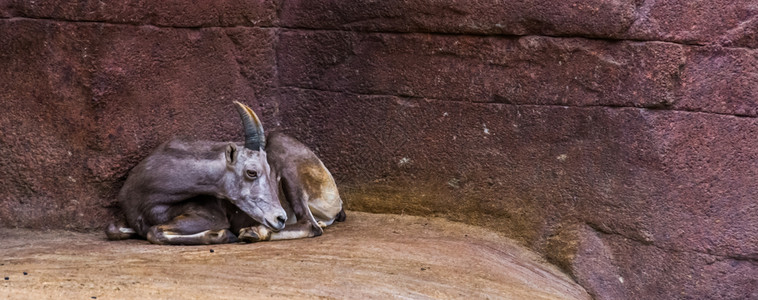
[(720, 80), (710, 200), (582, 251), (481, 69), (724, 22), (614, 137), (5, 8), (524, 70), (666, 182), (174, 13), (609, 267), (407, 257), (46, 128), (84, 102), (472, 17), (671, 274)]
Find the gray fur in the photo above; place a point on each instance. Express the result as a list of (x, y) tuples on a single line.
[(179, 171), (201, 192)]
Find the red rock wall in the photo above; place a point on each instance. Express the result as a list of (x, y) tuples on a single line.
[(615, 137), (89, 88)]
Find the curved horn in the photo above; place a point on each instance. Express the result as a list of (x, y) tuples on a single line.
[(254, 137)]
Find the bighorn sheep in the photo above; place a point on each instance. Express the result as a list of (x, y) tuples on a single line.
[(203, 192)]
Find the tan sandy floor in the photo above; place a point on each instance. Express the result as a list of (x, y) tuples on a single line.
[(369, 256)]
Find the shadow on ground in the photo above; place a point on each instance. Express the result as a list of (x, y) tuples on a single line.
[(374, 256)]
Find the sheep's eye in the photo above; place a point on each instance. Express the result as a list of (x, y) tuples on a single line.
[(252, 174)]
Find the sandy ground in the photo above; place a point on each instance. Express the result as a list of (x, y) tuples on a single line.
[(369, 256)]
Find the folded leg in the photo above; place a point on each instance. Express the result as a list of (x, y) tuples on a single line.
[(198, 224), (305, 226)]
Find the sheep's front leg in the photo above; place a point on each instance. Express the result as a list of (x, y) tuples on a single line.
[(193, 228), (301, 229), (160, 236)]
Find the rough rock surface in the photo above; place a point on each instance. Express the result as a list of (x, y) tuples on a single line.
[(724, 22), (637, 178), (405, 257), (616, 138), (171, 13), (85, 102)]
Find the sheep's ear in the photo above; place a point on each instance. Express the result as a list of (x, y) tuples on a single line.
[(231, 154)]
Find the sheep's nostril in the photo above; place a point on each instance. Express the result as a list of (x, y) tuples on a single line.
[(277, 224), (281, 220)]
